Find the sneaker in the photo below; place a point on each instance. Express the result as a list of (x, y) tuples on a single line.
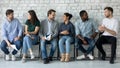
[(7, 57), (90, 56), (13, 58), (32, 56), (81, 57)]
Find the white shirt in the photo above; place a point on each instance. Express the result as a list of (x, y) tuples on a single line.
[(111, 24)]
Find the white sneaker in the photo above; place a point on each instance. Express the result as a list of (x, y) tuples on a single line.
[(32, 56), (13, 58), (90, 56), (7, 57), (81, 57)]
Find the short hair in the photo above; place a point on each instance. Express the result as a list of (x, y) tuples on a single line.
[(68, 15), (50, 11), (82, 12), (109, 8), (9, 11)]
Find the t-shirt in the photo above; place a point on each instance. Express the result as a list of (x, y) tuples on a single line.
[(31, 27), (111, 24)]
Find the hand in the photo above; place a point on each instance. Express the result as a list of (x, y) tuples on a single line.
[(92, 36), (102, 28), (65, 32), (84, 42), (26, 33), (16, 38), (43, 38), (9, 44)]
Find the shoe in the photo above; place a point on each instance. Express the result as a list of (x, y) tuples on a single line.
[(81, 57), (23, 60), (90, 56), (46, 61), (13, 58), (50, 58), (32, 56), (62, 58), (67, 58), (7, 57), (103, 57), (111, 61)]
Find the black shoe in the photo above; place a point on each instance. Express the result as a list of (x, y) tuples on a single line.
[(50, 59), (46, 61), (111, 61), (103, 57)]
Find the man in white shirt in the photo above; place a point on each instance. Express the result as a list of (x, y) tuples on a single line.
[(109, 27)]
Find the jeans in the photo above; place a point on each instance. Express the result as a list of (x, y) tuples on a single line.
[(5, 49), (67, 40), (53, 44), (28, 42), (79, 45), (107, 40)]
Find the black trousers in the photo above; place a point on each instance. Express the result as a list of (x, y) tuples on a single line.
[(107, 40)]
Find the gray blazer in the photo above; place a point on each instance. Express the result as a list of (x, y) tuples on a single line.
[(44, 28)]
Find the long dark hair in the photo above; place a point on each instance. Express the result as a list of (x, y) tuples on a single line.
[(33, 16)]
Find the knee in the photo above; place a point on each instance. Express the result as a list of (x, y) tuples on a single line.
[(3, 44), (26, 38), (68, 41)]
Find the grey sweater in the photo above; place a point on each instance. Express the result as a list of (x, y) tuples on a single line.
[(44, 28)]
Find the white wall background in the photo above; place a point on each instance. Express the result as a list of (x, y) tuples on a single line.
[(93, 7)]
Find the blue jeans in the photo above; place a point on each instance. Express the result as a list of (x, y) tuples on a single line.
[(67, 40), (53, 43), (28, 42), (90, 48), (5, 49)]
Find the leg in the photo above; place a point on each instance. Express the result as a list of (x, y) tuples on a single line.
[(43, 49), (18, 46), (113, 42), (53, 47), (68, 42), (61, 47), (79, 46), (91, 43), (4, 47), (99, 43)]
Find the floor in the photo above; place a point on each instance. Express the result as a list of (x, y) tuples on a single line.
[(57, 64)]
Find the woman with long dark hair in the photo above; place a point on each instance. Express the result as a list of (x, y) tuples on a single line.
[(32, 27)]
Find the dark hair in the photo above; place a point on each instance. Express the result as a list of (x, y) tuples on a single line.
[(50, 11), (109, 8), (9, 11), (68, 15), (33, 16), (82, 13)]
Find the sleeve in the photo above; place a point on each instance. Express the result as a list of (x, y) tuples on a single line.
[(95, 26), (116, 27), (77, 31), (41, 29), (20, 29), (4, 32), (72, 30), (59, 29), (55, 31), (38, 23)]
